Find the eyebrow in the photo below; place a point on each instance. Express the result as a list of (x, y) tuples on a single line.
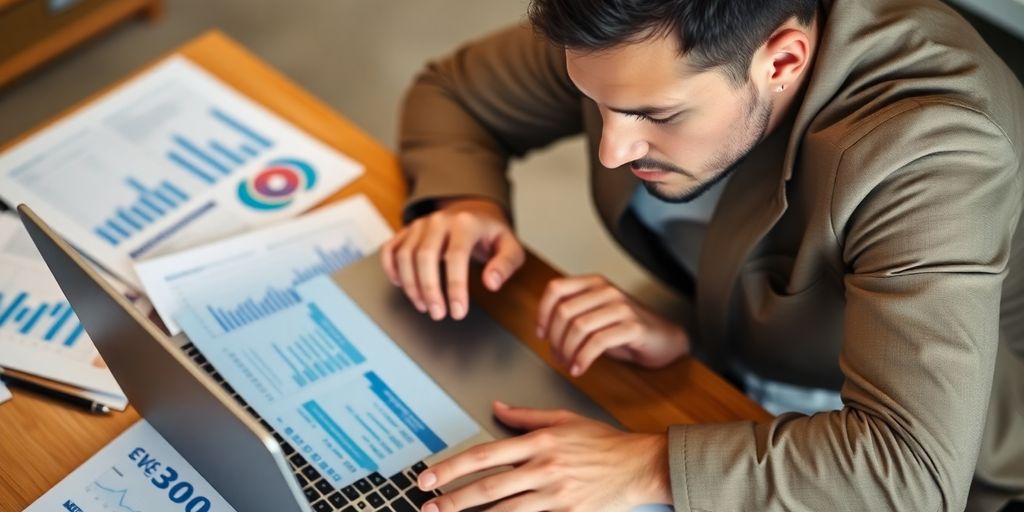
[(648, 110)]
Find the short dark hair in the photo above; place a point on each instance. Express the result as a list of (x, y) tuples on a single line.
[(713, 33)]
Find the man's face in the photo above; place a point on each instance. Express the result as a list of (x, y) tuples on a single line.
[(680, 130)]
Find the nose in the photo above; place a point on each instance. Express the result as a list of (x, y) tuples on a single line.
[(621, 142)]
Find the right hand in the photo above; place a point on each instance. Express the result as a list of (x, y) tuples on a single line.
[(459, 230)]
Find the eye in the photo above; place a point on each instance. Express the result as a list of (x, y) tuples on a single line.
[(651, 120)]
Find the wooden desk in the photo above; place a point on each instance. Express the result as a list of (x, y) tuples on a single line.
[(42, 441)]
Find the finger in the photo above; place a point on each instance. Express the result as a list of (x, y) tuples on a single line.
[(460, 248), (526, 502), (428, 262), (569, 310), (525, 418), (508, 257), (387, 257), (615, 336), (555, 292), (481, 457), (404, 257), (489, 489), (589, 323)]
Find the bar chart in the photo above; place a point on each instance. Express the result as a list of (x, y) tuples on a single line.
[(151, 205), (51, 322), (223, 146), (299, 262), (329, 261), (251, 310)]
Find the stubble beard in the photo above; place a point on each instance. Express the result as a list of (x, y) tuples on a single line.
[(729, 158)]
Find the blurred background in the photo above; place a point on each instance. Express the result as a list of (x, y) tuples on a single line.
[(359, 56)]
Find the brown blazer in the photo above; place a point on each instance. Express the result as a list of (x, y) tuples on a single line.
[(872, 246)]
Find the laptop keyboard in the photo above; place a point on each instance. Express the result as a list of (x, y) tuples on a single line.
[(397, 493)]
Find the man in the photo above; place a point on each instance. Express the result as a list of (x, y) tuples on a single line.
[(837, 187)]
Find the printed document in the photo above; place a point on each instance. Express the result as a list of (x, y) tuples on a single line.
[(39, 332), (138, 471), (333, 384), (255, 274), (169, 160)]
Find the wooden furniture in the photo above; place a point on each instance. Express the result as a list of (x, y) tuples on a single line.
[(37, 31), (42, 441)]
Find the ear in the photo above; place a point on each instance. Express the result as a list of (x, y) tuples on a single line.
[(782, 60)]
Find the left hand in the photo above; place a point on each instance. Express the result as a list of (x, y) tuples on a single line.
[(565, 463)]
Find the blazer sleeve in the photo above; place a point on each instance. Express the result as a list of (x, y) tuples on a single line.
[(924, 209), (467, 114)]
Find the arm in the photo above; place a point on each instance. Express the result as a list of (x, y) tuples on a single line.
[(467, 114), (926, 248)]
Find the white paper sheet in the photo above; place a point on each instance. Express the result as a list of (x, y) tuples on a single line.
[(265, 264), (39, 332), (172, 159), (5, 394), (137, 471)]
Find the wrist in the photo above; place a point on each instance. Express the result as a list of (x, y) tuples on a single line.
[(654, 484)]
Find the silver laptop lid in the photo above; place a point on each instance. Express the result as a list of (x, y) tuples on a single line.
[(232, 450)]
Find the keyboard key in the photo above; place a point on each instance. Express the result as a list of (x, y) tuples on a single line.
[(375, 500), (350, 508), (301, 480), (389, 491), (419, 467), (401, 481), (322, 506), (287, 448), (363, 485), (297, 460), (337, 499), (376, 479), (311, 473), (384, 509), (351, 493), (311, 494), (361, 505), (418, 497), (401, 505), (324, 486)]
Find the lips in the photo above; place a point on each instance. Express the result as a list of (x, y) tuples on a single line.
[(648, 174)]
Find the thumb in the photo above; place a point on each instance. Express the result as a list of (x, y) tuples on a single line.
[(525, 418), (507, 257)]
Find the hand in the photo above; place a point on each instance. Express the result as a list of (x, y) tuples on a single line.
[(460, 229), (566, 463), (583, 317)]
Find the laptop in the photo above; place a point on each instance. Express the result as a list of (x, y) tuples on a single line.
[(181, 394)]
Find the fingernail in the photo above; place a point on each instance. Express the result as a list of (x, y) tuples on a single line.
[(494, 279), (458, 310), (430, 507), (427, 481), (436, 312), (501, 404), (576, 370), (420, 307)]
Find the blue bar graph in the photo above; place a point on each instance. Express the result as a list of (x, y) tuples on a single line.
[(252, 309), (151, 204), (46, 322), (209, 159), (330, 260)]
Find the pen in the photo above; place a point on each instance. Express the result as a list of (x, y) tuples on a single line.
[(35, 387)]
